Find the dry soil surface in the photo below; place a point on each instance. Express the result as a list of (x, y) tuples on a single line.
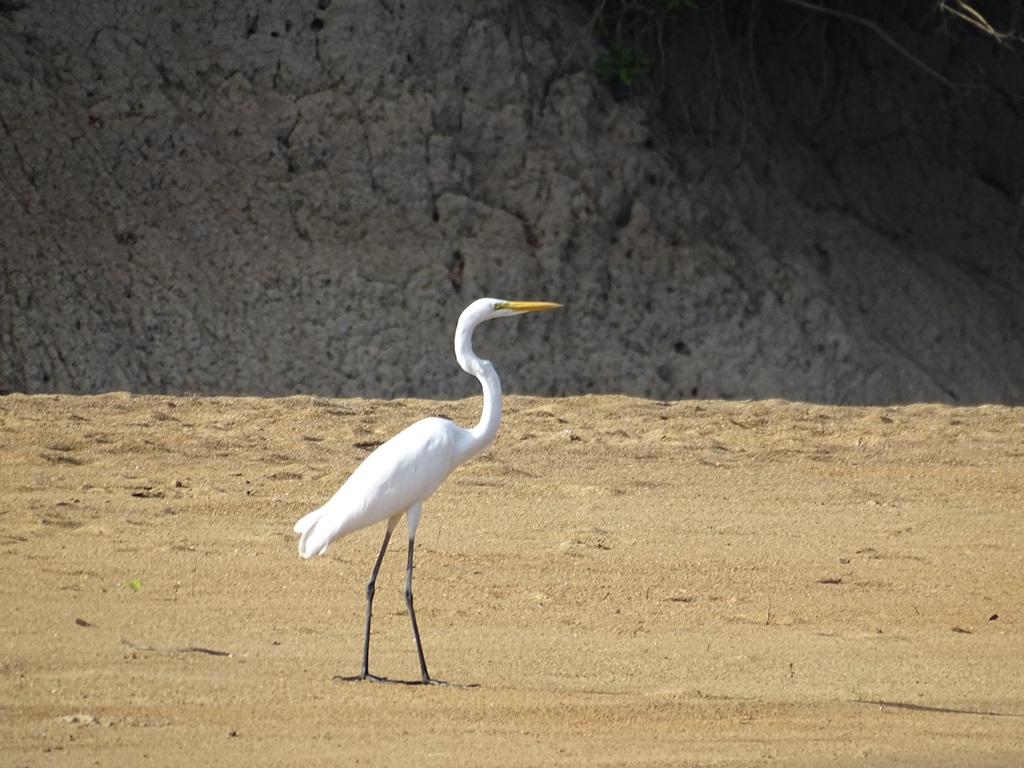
[(617, 582)]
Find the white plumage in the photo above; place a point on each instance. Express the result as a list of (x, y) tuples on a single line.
[(397, 477)]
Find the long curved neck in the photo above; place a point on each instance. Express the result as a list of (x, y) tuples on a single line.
[(487, 428), (483, 434)]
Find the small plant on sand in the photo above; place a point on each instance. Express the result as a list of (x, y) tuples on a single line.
[(133, 584)]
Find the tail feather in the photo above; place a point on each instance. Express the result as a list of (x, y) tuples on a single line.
[(314, 535)]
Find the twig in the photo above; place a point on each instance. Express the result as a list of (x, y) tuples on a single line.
[(969, 15), (183, 649), (886, 37)]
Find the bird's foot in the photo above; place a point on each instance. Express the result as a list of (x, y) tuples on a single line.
[(378, 679), (364, 676)]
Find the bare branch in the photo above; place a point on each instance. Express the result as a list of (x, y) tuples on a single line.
[(970, 15), (885, 36)]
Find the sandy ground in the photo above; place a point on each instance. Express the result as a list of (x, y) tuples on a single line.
[(624, 582)]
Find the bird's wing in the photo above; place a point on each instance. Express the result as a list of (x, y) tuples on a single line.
[(406, 469)]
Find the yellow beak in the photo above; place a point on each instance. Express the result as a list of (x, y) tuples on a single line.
[(527, 306)]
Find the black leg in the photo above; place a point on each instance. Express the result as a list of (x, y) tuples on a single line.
[(425, 678), (412, 616), (370, 588)]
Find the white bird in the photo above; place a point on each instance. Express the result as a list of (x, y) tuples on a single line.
[(401, 473)]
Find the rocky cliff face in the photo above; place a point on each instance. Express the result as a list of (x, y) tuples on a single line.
[(280, 197)]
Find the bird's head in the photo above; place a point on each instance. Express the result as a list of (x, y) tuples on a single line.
[(487, 309), (499, 308)]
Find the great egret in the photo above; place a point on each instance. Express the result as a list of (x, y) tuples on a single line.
[(401, 473)]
